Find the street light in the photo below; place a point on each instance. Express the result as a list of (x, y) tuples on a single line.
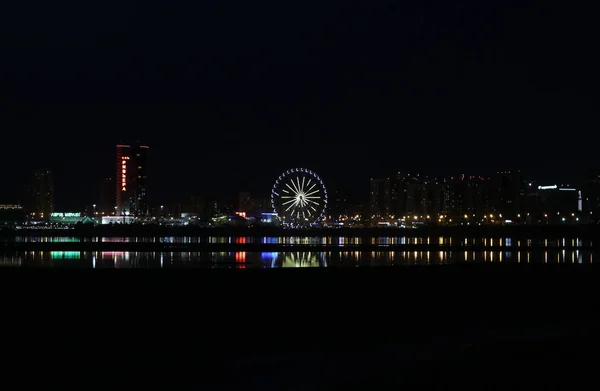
[(94, 209)]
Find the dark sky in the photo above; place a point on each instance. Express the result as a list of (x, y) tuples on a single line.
[(228, 94)]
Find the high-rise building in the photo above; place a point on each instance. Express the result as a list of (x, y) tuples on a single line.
[(244, 201), (195, 205), (433, 198), (405, 195), (106, 202), (132, 180), (466, 196), (559, 200), (252, 205), (337, 205), (507, 193), (380, 198), (591, 192), (40, 197), (415, 195)]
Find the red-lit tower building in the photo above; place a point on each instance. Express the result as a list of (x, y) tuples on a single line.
[(132, 178)]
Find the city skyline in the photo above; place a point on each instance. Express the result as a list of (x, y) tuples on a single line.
[(228, 148), (100, 199), (352, 188), (413, 87)]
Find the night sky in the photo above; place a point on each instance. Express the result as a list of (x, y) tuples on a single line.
[(228, 94)]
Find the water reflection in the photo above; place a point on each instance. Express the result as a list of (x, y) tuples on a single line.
[(287, 259), (300, 259), (328, 241)]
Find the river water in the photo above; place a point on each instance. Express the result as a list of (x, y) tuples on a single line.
[(287, 259), (329, 252)]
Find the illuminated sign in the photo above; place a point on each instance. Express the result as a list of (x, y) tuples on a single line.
[(10, 206), (55, 214), (547, 187), (124, 173)]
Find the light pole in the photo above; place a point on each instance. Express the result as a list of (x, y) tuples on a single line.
[(94, 206)]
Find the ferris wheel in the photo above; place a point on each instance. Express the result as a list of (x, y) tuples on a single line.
[(299, 197)]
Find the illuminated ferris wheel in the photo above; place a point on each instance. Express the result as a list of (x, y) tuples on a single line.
[(299, 197)]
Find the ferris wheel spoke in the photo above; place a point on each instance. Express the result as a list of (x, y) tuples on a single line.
[(299, 188), (302, 188), (288, 185), (312, 187), (285, 191), (313, 198), (313, 192), (316, 203), (296, 191), (296, 187), (287, 202), (290, 207)]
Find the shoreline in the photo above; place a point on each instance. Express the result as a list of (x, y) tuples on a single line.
[(513, 231), (272, 247)]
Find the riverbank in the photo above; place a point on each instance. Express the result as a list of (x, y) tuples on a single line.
[(489, 231), (280, 247)]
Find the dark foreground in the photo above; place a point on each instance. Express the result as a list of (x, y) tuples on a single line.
[(486, 326)]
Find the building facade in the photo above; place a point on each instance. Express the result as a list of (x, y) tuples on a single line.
[(40, 197), (380, 198), (591, 192), (106, 201), (132, 180), (11, 214), (558, 203), (507, 193)]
